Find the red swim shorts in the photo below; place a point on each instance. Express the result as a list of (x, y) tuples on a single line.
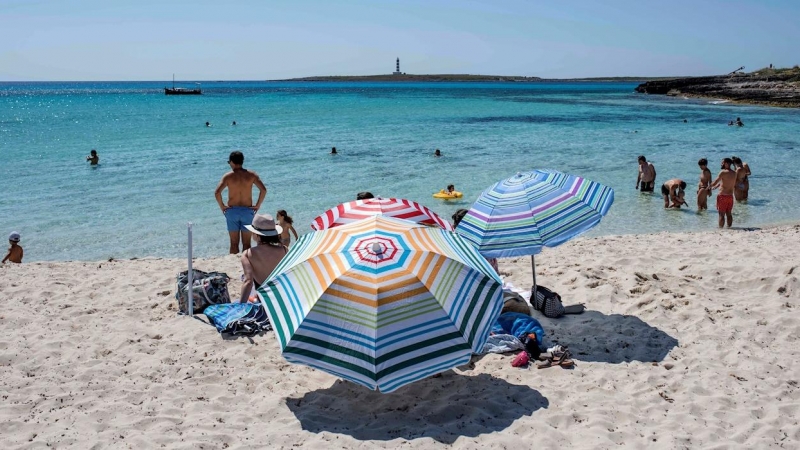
[(724, 203)]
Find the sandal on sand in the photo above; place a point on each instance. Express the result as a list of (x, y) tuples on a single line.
[(545, 364), (564, 360), (566, 363)]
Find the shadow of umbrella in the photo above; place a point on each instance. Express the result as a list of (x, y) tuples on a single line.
[(443, 408), (614, 338)]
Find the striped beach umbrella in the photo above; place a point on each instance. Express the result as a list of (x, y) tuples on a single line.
[(382, 302), (392, 207), (520, 215)]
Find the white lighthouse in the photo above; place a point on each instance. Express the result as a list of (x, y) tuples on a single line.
[(397, 68)]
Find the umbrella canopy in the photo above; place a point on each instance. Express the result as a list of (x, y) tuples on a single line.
[(382, 302), (519, 215), (392, 207)]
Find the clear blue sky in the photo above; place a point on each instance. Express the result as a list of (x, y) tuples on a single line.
[(270, 39)]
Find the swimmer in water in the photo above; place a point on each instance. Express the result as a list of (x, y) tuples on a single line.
[(333, 151), (437, 153), (93, 158)]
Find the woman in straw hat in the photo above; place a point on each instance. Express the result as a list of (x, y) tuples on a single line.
[(258, 262)]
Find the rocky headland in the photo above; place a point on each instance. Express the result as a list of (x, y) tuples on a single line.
[(772, 87)]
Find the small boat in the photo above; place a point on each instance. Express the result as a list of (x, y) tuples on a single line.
[(179, 90)]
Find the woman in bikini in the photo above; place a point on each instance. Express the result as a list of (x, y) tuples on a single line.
[(704, 186), (742, 187), (285, 221), (258, 262)]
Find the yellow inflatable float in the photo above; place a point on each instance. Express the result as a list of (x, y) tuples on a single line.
[(445, 194)]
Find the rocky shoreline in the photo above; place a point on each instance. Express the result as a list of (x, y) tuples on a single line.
[(765, 87)]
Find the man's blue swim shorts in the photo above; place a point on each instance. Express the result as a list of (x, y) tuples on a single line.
[(239, 216)]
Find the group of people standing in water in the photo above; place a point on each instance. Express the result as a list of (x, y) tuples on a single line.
[(732, 181)]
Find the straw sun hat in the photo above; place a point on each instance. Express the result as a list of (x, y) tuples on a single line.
[(264, 225)]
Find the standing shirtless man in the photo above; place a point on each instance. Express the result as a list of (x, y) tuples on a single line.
[(240, 210), (704, 187), (726, 180), (647, 175)]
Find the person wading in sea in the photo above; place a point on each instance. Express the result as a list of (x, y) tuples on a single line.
[(704, 186), (726, 180), (240, 210), (646, 180)]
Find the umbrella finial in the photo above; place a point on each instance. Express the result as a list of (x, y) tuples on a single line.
[(377, 248)]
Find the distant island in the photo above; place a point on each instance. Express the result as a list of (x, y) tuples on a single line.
[(767, 86), (404, 77)]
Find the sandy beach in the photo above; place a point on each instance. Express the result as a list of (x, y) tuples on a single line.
[(689, 341)]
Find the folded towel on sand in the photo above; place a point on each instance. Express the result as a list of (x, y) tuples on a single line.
[(502, 343), (238, 318)]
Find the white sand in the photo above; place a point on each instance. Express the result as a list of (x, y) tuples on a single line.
[(699, 350)]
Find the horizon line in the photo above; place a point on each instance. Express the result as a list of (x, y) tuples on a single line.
[(217, 80)]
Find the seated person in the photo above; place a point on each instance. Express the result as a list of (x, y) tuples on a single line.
[(451, 189), (674, 190), (15, 252), (258, 262)]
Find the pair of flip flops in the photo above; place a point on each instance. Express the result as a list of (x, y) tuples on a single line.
[(560, 357)]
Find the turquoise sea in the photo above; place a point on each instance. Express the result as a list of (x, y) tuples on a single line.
[(160, 164)]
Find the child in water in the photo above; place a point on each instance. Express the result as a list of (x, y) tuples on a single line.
[(15, 252), (285, 221)]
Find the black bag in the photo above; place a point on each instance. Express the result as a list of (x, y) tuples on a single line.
[(548, 302), (208, 288)]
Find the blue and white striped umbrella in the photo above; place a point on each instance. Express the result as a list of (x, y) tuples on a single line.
[(520, 215)]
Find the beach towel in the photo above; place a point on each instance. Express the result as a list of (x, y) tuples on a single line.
[(238, 319), (518, 325), (502, 343)]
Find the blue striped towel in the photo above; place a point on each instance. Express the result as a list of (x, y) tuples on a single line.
[(238, 318)]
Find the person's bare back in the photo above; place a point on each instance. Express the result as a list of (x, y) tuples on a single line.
[(257, 264), (240, 183)]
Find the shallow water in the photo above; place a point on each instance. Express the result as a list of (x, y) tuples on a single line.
[(159, 164)]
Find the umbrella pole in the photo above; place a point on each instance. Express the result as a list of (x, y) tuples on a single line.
[(189, 281), (533, 269)]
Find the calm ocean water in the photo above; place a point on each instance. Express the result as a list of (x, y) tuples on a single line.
[(159, 164)]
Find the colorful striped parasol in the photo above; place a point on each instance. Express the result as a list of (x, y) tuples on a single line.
[(520, 215), (382, 302), (392, 207)]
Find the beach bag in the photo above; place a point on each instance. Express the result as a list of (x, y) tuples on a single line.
[(209, 288), (548, 302), (238, 319)]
